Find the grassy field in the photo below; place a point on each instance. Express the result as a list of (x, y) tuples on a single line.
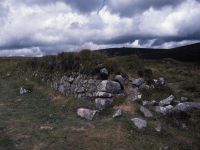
[(45, 119)]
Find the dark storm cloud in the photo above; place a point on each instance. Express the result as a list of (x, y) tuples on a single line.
[(38, 27)]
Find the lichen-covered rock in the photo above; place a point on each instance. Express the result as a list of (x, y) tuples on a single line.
[(137, 82), (103, 103), (139, 123), (166, 101), (117, 113), (110, 87), (146, 112), (86, 113)]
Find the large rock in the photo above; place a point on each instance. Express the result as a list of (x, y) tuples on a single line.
[(166, 101), (110, 87), (137, 82), (86, 113), (103, 103), (139, 123), (103, 95), (24, 90), (120, 79), (146, 112), (117, 113)]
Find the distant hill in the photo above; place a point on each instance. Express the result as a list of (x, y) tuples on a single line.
[(184, 53)]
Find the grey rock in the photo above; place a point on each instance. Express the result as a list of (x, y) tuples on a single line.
[(117, 113), (160, 110), (144, 87), (110, 87), (146, 112), (71, 80), (166, 101), (86, 113), (103, 95), (24, 90), (169, 107), (139, 123), (120, 79), (185, 107), (103, 103), (137, 82)]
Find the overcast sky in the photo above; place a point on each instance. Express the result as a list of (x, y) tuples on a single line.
[(39, 27)]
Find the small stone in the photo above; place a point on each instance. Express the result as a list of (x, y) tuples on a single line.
[(137, 82), (117, 113), (104, 73), (146, 112), (166, 101), (139, 123), (86, 113)]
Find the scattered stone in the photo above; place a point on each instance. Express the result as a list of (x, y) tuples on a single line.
[(24, 90), (103, 95), (103, 103), (118, 113), (137, 82), (166, 101), (149, 103), (139, 123), (184, 99), (120, 79), (146, 112), (104, 73), (86, 113), (110, 87)]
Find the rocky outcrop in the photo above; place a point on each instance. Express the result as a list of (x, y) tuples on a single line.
[(139, 123), (86, 113)]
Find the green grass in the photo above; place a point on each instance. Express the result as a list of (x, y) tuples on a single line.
[(22, 116)]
